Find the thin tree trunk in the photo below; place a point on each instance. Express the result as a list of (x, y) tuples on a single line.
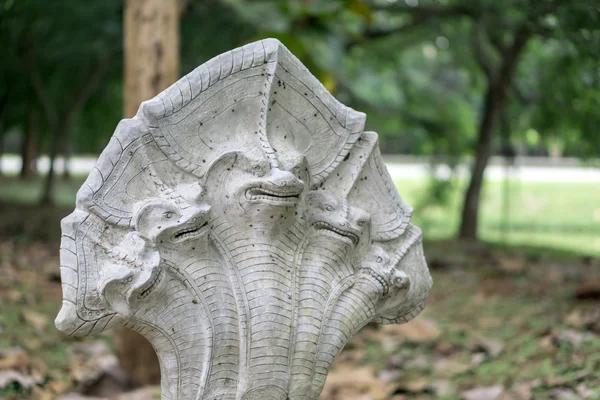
[(495, 101), (151, 45), (483, 150), (29, 148), (61, 128), (3, 108), (509, 161), (1, 146), (47, 190), (67, 154)]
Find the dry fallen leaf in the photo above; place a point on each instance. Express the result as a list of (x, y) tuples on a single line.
[(77, 396), (145, 393), (563, 394), (478, 359), (32, 343), (96, 370), (57, 386), (512, 265), (585, 392), (445, 348), (443, 387), (13, 295), (519, 392), (484, 393), (447, 367), (562, 380), (419, 330), (572, 337), (9, 376), (390, 344), (418, 363), (584, 319), (388, 375), (493, 347), (39, 393), (35, 319), (350, 356), (354, 384), (589, 290), (14, 358), (417, 385), (490, 322)]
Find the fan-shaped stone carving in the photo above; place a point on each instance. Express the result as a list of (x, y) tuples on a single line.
[(245, 224)]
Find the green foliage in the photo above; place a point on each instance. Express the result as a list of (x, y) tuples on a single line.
[(413, 68), (568, 97), (209, 28), (418, 69), (58, 45)]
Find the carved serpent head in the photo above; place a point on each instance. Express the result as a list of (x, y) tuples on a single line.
[(245, 224), (334, 217)]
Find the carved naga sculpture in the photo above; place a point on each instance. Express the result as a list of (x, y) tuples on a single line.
[(244, 224)]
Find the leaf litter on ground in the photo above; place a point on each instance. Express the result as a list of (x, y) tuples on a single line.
[(505, 322)]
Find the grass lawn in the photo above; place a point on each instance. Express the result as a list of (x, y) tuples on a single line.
[(516, 318), (523, 331), (13, 190), (497, 316), (562, 216)]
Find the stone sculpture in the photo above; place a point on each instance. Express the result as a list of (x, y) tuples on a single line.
[(244, 223)]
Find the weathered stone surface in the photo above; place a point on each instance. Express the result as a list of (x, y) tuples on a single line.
[(245, 224)]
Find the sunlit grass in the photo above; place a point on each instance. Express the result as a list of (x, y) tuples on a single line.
[(14, 190), (563, 216)]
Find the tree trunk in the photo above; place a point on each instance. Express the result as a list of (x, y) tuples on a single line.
[(61, 124), (151, 64), (1, 146), (495, 100), (47, 190), (3, 108), (151, 50), (29, 148), (67, 153), (483, 150)]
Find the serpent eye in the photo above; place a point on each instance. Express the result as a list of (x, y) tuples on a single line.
[(260, 169), (361, 223), (401, 282), (379, 260), (168, 214), (127, 280), (329, 207)]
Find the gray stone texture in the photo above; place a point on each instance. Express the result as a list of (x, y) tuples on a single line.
[(244, 223)]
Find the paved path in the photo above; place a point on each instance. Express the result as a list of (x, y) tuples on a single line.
[(413, 170)]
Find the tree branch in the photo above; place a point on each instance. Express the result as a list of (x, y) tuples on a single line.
[(522, 97), (481, 55), (427, 124), (377, 33), (4, 100), (496, 41), (521, 38), (86, 89), (40, 90), (429, 11)]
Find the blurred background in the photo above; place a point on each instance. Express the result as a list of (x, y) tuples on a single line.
[(488, 116)]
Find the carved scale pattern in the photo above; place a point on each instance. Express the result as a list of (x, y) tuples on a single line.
[(245, 224)]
